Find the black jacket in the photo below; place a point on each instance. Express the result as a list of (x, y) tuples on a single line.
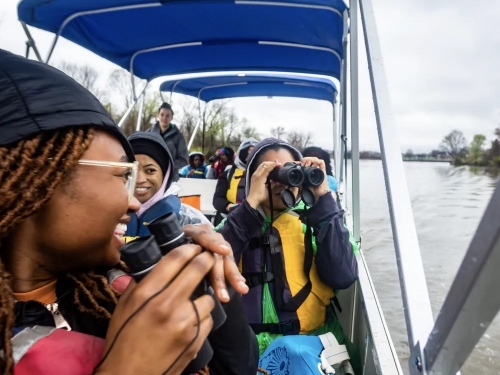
[(176, 145), (234, 343), (220, 201)]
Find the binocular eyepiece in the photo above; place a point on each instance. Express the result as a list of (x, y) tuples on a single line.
[(142, 254), (293, 175)]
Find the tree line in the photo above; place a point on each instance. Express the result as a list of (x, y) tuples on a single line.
[(219, 126), (476, 152)]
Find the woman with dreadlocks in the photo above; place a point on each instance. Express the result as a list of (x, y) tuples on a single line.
[(66, 190)]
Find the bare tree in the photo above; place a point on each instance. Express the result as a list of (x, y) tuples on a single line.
[(455, 145), (298, 139), (120, 86), (278, 132), (85, 75), (219, 126)]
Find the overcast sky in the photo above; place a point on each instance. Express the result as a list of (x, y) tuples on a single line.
[(442, 62)]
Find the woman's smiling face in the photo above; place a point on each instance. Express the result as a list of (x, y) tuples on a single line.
[(149, 178)]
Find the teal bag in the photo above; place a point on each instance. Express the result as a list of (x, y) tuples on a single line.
[(306, 355)]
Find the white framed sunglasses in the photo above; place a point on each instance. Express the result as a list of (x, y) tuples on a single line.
[(130, 175)]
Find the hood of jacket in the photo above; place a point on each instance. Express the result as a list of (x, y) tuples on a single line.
[(259, 149), (191, 158), (242, 153), (36, 97)]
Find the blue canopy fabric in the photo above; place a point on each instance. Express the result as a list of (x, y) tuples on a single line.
[(235, 86), (154, 39)]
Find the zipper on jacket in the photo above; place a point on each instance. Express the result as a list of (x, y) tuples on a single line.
[(58, 318)]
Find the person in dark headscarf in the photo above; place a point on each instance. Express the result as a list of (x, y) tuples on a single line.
[(319, 153)]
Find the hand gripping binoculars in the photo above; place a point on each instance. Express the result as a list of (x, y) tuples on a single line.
[(293, 175), (142, 254)]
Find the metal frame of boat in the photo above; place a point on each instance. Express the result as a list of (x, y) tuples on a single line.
[(439, 347)]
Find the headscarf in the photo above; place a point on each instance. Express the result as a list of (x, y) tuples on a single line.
[(153, 145)]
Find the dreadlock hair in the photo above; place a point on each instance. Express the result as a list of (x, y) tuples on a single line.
[(30, 170)]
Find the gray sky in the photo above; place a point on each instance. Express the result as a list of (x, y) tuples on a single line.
[(441, 60)]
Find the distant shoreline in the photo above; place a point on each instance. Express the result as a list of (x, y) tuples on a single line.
[(427, 161)]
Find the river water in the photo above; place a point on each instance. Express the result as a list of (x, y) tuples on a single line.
[(448, 204)]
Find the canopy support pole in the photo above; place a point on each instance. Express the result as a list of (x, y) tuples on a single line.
[(200, 119), (356, 197), (30, 43), (471, 303), (343, 104), (417, 306), (141, 108), (129, 109)]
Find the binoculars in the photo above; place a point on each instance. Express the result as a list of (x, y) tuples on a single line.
[(142, 254), (293, 175)]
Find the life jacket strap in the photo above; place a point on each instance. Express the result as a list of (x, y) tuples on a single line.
[(292, 327), (257, 278)]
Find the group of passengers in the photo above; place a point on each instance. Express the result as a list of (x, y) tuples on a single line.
[(74, 190)]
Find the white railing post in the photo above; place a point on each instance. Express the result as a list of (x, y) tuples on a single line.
[(353, 64), (417, 306), (141, 108), (129, 109)]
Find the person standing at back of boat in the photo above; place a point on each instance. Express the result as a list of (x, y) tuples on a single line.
[(273, 245), (230, 190), (172, 136)]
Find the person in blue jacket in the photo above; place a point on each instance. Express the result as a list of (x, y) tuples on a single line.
[(196, 168)]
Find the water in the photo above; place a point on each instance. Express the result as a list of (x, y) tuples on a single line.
[(448, 204)]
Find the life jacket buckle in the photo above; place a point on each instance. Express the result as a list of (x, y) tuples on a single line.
[(291, 327)]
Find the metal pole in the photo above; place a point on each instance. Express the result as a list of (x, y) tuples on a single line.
[(336, 151), (356, 197), (472, 301), (139, 115), (343, 101), (129, 109), (197, 124), (417, 306), (31, 43)]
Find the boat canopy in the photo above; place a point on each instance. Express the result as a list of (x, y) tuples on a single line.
[(152, 39), (241, 85)]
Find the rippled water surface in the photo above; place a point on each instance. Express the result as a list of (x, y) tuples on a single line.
[(448, 204)]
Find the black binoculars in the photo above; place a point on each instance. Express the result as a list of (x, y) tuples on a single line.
[(142, 254), (293, 175)]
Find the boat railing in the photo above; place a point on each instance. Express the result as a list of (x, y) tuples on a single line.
[(440, 347)]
